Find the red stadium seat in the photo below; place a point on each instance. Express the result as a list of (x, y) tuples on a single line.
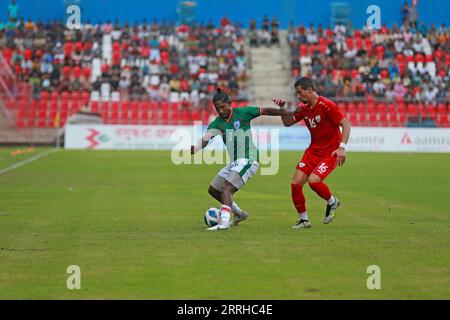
[(42, 118), (412, 110), (392, 114), (185, 117), (65, 96), (134, 112), (303, 50), (105, 116), (195, 115), (443, 120), (124, 110), (391, 108), (393, 120), (114, 118), (371, 107), (400, 58), (154, 108), (164, 117), (64, 108), (368, 44), (44, 95), (106, 108), (342, 107), (75, 101), (373, 121), (85, 97), (401, 108), (361, 107), (144, 106), (362, 118), (441, 109), (175, 108), (351, 107), (164, 106), (384, 122), (422, 110), (54, 96), (95, 106), (349, 43), (402, 119), (381, 108), (175, 117)]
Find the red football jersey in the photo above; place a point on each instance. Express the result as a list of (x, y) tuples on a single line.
[(322, 121)]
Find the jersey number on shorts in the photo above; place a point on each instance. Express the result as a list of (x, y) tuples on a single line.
[(323, 168)]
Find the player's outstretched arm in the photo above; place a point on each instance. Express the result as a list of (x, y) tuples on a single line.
[(276, 112), (203, 142), (288, 120)]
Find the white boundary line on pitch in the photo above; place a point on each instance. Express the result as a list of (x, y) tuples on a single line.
[(24, 162)]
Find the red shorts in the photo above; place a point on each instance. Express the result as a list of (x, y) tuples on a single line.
[(321, 166)]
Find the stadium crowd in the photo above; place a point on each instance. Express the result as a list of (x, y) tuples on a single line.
[(162, 62), (407, 63), (267, 35)]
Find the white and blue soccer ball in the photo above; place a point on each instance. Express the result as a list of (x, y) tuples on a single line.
[(212, 217)]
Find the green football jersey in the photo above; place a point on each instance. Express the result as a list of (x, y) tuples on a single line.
[(236, 133)]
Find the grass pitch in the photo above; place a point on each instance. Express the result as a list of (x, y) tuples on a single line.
[(133, 222)]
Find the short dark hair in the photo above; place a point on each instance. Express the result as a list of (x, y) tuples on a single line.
[(305, 83), (221, 96)]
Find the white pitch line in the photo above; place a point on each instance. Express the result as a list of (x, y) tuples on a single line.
[(24, 162)]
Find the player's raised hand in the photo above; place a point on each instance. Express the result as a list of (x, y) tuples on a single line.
[(279, 102), (339, 153)]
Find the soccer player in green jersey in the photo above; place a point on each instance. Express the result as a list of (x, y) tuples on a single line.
[(233, 125)]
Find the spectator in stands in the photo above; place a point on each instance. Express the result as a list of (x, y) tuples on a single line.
[(265, 23), (13, 13), (413, 15), (430, 94), (253, 37), (405, 12)]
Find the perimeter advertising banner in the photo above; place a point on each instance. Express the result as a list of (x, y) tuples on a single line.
[(265, 137), (399, 140), (122, 137)]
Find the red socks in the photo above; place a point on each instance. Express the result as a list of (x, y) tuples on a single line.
[(298, 197), (321, 189)]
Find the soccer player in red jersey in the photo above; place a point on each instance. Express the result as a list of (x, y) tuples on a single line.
[(325, 152)]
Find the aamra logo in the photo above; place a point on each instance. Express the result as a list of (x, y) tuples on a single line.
[(406, 139), (92, 138), (95, 138)]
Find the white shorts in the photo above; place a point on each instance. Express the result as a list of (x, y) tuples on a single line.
[(237, 173)]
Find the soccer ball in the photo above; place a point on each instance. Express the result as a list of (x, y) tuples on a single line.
[(212, 217)]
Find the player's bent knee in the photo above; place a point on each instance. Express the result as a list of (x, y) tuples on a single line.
[(228, 187), (298, 180), (314, 179)]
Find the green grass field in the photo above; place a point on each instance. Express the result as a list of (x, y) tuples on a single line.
[(133, 222)]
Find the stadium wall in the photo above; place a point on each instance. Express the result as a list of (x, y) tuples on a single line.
[(299, 11), (266, 137)]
